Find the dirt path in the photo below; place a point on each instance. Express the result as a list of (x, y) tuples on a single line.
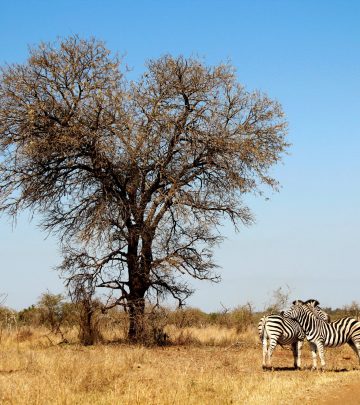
[(347, 394)]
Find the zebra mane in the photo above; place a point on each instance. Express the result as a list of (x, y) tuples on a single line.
[(313, 306), (309, 310), (313, 302)]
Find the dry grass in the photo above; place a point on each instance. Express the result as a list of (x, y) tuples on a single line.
[(222, 368)]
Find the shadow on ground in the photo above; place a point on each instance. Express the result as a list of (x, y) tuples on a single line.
[(335, 370)]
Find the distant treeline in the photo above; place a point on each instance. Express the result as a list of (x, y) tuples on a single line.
[(57, 314)]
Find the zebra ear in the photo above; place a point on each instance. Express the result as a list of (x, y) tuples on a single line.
[(313, 303), (297, 302)]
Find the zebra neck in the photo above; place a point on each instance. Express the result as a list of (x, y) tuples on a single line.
[(306, 322)]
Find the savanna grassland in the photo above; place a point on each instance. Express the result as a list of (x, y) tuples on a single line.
[(209, 365)]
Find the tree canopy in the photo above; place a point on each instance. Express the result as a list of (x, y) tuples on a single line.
[(133, 176)]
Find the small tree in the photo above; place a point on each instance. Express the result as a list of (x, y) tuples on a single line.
[(8, 318), (82, 294), (135, 177), (352, 310), (30, 316), (51, 312), (279, 300)]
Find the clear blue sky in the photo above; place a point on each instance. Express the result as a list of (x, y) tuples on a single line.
[(306, 54)]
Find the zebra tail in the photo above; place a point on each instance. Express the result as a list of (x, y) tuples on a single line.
[(262, 328)]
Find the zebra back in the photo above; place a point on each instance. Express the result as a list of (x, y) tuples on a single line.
[(330, 333), (285, 330)]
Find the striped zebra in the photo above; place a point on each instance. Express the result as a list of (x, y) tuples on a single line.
[(276, 329), (321, 334)]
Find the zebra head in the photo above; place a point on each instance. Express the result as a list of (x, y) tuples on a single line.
[(318, 312), (296, 310), (311, 307)]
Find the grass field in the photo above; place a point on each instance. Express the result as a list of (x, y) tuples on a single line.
[(211, 366)]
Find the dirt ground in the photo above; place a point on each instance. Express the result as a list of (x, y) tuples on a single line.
[(342, 368), (347, 394)]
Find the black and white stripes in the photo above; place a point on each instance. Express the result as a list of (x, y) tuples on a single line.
[(322, 334), (276, 329)]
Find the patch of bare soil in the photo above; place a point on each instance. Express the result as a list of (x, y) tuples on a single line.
[(346, 394)]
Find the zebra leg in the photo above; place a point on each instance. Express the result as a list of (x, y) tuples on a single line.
[(271, 348), (294, 348), (313, 349), (297, 360), (320, 348), (356, 347), (265, 350)]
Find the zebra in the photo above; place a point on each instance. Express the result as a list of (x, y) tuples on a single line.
[(276, 329), (322, 334)]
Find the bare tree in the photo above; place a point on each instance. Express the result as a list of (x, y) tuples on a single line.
[(134, 177)]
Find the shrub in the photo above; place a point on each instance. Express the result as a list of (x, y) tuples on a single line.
[(187, 317)]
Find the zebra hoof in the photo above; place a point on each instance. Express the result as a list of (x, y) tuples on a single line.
[(268, 368)]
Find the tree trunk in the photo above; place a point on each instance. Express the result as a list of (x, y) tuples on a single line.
[(136, 332), (138, 285), (87, 331)]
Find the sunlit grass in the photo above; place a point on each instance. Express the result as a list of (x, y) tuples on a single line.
[(223, 367)]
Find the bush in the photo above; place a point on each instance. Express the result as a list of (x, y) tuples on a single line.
[(242, 317), (8, 317), (51, 310), (153, 332), (30, 316), (352, 310), (88, 320), (188, 317)]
